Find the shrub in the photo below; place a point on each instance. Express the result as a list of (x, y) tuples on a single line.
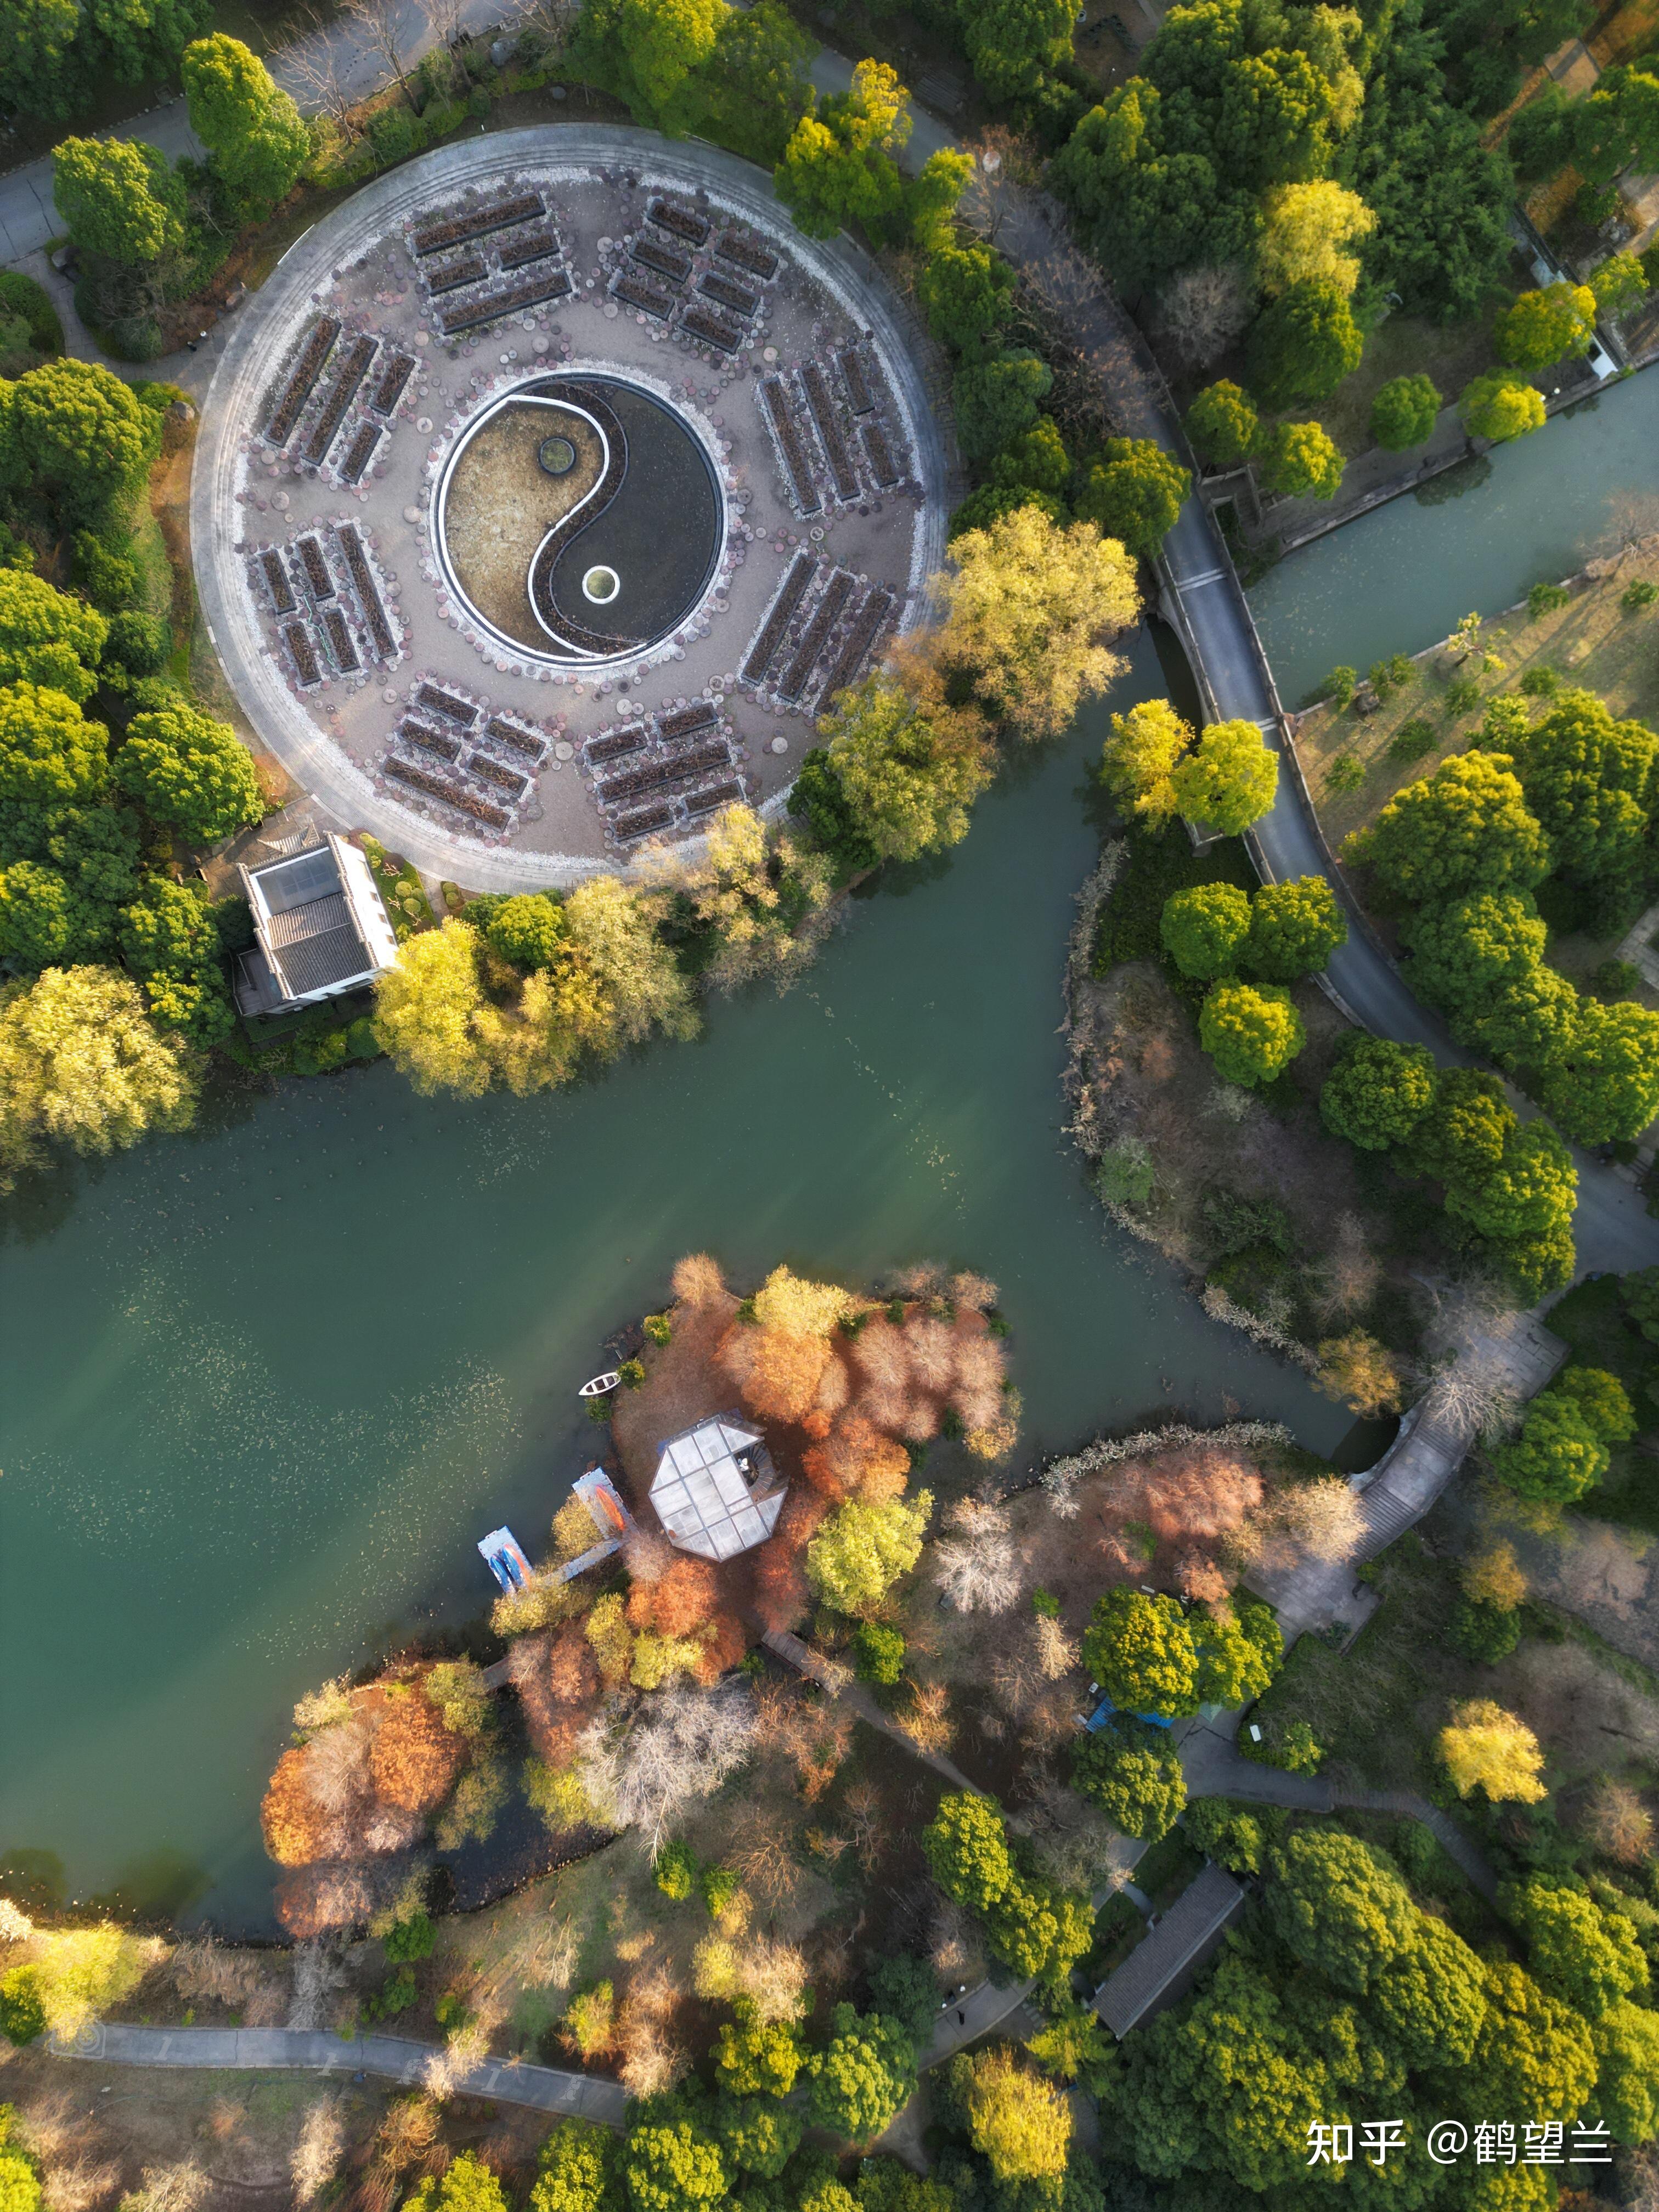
[(1125, 1175), (632, 1372), (1340, 686), (1542, 682), (23, 2015), (659, 1329), (1545, 598), (410, 1938), (1413, 739), (1642, 593), (1462, 697), (1346, 773), (1615, 979), (878, 1654), (1484, 1632), (1204, 929), (675, 1870), (720, 1885)]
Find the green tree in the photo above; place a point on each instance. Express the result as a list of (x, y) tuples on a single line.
[(1587, 778), (1020, 2124), (1131, 1771), (186, 769), (965, 293), (118, 197), (466, 2185), (840, 166), (910, 778), (1301, 460), (754, 89), (1137, 758), (1404, 413), (967, 1851), (1604, 1083), (1295, 927), (73, 434), (1338, 1907), (1465, 951), (1558, 1456), (579, 2170), (1625, 2038), (863, 2076), (1251, 1032), (1305, 228), (1428, 1996), (1601, 1399), (931, 196), (878, 1655), (1377, 1092), (40, 70), (1640, 1292), (1229, 780), (1036, 460), (46, 638), (50, 755), (1013, 44), (256, 138), (1500, 406), (23, 2015), (758, 2135), (1302, 344), (650, 50), (1133, 492), (673, 2168), (1557, 323), (755, 2057), (1141, 1652), (1034, 1929), (1223, 425), (168, 929), (863, 1548), (1589, 1956), (1238, 1654), (997, 400), (1527, 1023), (529, 929), (1466, 828), (1204, 929), (81, 1066), (818, 800)]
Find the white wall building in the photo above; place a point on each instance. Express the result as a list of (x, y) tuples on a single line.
[(320, 926)]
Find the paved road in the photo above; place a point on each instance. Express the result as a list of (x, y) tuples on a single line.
[(545, 2088)]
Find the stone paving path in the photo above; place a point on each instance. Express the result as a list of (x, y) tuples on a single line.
[(509, 2081)]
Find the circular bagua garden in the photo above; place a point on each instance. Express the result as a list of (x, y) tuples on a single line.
[(549, 492)]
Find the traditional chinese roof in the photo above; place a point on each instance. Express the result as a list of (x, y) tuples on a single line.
[(1156, 1971)]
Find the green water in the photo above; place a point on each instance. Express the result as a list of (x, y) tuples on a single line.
[(1400, 578), (262, 1390)]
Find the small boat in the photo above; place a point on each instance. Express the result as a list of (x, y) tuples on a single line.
[(601, 1386)]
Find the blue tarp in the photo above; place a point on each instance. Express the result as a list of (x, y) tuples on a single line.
[(1098, 1718)]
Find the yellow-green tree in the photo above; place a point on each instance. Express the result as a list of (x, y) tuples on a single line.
[(1028, 613), (81, 1064), (1018, 2123), (1137, 758), (1251, 1031), (840, 165), (644, 989), (862, 1549), (1228, 781), (1304, 229), (1482, 1747)]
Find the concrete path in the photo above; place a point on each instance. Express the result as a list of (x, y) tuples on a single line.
[(509, 2081), (1215, 1768)]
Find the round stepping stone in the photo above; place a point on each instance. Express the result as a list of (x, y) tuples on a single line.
[(779, 744), (423, 424), (564, 750)]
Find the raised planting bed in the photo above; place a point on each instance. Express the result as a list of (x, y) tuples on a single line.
[(701, 714), (859, 397), (450, 276), (339, 642), (638, 293), (883, 466), (616, 744), (744, 253), (303, 653), (429, 740), (342, 392), (293, 395), (867, 623), (680, 223), (363, 582), (729, 793), (277, 583), (664, 775), (793, 452), (512, 780), (713, 330), (359, 452), (535, 245), (643, 822), (449, 704), (468, 314), (318, 582), (667, 260), (839, 590), (475, 222), (389, 386), (440, 786), (816, 388), (519, 741), (791, 592), (738, 297)]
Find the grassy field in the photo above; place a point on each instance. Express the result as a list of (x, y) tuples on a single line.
[(1591, 642), (1449, 353)]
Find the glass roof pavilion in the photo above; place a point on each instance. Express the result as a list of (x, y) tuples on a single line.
[(715, 1491)]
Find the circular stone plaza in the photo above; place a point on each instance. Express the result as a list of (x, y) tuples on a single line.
[(549, 490)]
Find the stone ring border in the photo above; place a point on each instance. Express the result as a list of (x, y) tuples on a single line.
[(323, 769), (449, 451)]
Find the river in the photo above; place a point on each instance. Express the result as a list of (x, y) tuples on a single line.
[(263, 1387), (1401, 577)]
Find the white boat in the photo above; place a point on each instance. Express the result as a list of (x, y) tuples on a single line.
[(601, 1386)]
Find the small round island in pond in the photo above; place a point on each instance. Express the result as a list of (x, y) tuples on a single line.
[(581, 518)]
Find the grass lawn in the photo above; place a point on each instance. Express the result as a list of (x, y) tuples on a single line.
[(1591, 642), (1449, 353)]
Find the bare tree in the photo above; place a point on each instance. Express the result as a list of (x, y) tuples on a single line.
[(379, 25), (1202, 310), (681, 1746), (314, 70), (316, 2159), (1617, 1822), (445, 21), (977, 1567)]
